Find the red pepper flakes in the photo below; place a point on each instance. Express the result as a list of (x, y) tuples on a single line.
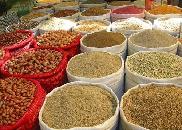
[(128, 10)]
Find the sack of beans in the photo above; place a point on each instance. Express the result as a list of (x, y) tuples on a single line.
[(152, 40), (146, 67), (21, 100), (17, 40), (42, 64), (163, 11), (67, 14), (154, 106), (118, 4), (112, 42), (80, 105), (98, 67), (35, 16), (180, 48), (73, 5), (130, 26), (66, 40), (90, 26), (127, 12), (95, 13)]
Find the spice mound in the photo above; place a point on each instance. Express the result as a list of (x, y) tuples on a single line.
[(56, 38), (64, 13), (156, 65), (95, 11), (31, 16), (120, 3), (78, 105), (153, 39), (165, 9), (128, 10), (16, 97), (154, 107), (11, 38), (94, 64), (34, 62), (103, 39)]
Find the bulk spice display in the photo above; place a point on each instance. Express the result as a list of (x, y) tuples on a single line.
[(64, 13), (128, 10), (32, 16), (95, 11), (120, 3)]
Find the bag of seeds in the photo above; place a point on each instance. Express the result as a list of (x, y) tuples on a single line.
[(46, 65), (112, 42), (98, 67), (21, 100), (152, 40), (154, 106), (147, 67), (80, 106)]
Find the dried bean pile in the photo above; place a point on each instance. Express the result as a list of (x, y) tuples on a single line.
[(31, 16), (34, 62), (156, 65), (103, 39), (64, 13), (94, 64), (78, 106), (26, 25), (16, 96), (56, 38), (154, 107), (7, 39), (153, 39), (95, 11)]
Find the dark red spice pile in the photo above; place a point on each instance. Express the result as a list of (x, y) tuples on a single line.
[(128, 10)]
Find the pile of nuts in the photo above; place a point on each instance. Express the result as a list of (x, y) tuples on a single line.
[(64, 13), (95, 11), (156, 65), (78, 105), (154, 107), (7, 39), (94, 64), (16, 96), (25, 25), (34, 62), (31, 16), (56, 38)]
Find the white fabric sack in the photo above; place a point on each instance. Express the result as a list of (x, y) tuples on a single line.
[(110, 124), (114, 81), (130, 126)]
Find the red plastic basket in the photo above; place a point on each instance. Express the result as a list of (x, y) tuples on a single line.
[(29, 121)]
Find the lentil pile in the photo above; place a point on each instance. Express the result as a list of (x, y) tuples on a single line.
[(165, 9), (128, 10), (26, 25), (153, 39), (34, 62), (16, 97), (64, 13), (94, 64), (7, 39), (31, 16), (154, 107), (103, 39), (78, 106), (156, 65), (95, 11), (56, 38)]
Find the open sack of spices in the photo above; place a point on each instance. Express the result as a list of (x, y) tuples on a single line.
[(35, 16), (73, 5), (118, 4), (163, 11), (42, 64), (16, 40), (130, 25), (21, 100), (90, 26), (98, 67), (95, 13), (104, 41), (152, 40), (66, 40), (80, 106), (154, 106), (147, 67)]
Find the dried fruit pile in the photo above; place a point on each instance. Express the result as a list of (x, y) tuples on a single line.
[(16, 97), (154, 107), (34, 62), (78, 106), (56, 38)]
